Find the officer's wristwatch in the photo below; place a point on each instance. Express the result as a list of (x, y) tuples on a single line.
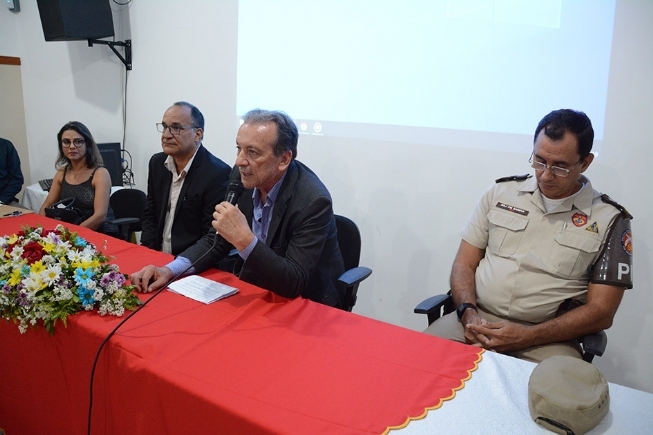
[(461, 309)]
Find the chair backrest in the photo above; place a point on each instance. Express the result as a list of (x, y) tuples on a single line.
[(349, 240), (129, 203)]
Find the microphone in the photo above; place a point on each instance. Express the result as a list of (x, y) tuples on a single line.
[(234, 190)]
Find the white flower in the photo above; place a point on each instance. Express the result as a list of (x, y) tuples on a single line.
[(74, 256), (16, 253), (62, 294), (98, 294), (33, 283), (52, 274), (89, 252)]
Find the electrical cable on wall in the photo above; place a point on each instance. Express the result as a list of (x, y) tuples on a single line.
[(127, 174)]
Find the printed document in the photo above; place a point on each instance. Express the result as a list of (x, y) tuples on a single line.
[(201, 289)]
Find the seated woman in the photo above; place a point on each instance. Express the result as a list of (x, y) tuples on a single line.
[(80, 174)]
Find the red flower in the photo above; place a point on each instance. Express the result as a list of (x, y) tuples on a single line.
[(45, 233), (10, 248), (33, 252)]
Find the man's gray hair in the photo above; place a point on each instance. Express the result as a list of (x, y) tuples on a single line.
[(287, 134)]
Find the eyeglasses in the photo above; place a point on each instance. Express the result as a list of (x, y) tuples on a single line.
[(175, 130), (555, 170), (67, 143)]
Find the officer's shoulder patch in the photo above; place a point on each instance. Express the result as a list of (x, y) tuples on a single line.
[(513, 178), (605, 198)]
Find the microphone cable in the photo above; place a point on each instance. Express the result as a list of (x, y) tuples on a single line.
[(234, 190), (97, 355)]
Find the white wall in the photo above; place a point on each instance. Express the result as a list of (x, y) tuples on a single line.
[(409, 200)]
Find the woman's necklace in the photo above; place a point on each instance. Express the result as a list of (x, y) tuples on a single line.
[(78, 172)]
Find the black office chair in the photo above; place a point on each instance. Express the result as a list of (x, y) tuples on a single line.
[(128, 208), (349, 240), (439, 305)]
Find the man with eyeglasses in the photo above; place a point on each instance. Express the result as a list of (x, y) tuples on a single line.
[(283, 225), (544, 260), (184, 183)]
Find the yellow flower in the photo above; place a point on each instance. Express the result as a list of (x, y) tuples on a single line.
[(37, 267), (15, 277), (88, 264), (48, 246)]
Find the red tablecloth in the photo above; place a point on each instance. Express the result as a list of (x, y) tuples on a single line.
[(252, 363)]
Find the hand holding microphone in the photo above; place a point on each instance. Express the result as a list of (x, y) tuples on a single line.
[(230, 224)]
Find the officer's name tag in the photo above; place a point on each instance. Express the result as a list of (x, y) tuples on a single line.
[(512, 208)]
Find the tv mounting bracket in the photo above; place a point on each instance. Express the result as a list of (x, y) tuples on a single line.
[(127, 60)]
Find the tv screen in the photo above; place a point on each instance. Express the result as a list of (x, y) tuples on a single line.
[(112, 158)]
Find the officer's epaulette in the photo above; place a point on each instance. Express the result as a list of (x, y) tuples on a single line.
[(621, 208), (514, 178)]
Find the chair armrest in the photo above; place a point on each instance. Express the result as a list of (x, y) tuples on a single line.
[(124, 221), (355, 275), (432, 306), (123, 225), (429, 305), (594, 345)]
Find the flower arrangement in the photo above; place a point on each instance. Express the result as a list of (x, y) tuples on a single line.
[(48, 275)]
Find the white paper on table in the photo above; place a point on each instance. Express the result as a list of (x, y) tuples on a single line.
[(201, 289)]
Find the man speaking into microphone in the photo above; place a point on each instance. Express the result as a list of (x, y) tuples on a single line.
[(282, 224)]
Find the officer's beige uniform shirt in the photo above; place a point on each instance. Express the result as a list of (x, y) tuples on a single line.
[(535, 260)]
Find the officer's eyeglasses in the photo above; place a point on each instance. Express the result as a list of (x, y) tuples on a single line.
[(555, 170), (175, 130), (67, 143)]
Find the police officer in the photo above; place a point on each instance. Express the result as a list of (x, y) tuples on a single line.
[(534, 248)]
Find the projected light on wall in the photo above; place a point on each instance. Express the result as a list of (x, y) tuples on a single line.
[(404, 70)]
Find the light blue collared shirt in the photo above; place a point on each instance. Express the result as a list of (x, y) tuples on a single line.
[(262, 216), (260, 226)]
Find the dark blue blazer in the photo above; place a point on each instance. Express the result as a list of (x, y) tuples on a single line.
[(11, 177)]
